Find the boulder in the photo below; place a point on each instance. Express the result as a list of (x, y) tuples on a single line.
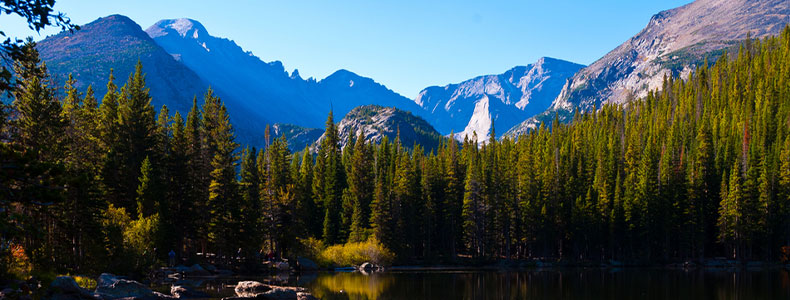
[(65, 284), (185, 292), (110, 286), (257, 290), (305, 264), (197, 270), (305, 296), (367, 267), (7, 293), (66, 288), (251, 288)]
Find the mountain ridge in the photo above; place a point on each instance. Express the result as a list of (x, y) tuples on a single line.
[(671, 44), (505, 99)]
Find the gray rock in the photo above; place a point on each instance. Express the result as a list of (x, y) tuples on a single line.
[(251, 288), (306, 264), (367, 267), (66, 288), (110, 286), (257, 290), (305, 296), (185, 292), (197, 270), (65, 284), (7, 292)]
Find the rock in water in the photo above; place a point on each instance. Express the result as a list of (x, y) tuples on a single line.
[(306, 264), (185, 292), (66, 288), (65, 284), (251, 288), (110, 286), (305, 296), (257, 290)]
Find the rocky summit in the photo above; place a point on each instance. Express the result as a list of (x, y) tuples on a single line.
[(502, 100), (376, 122), (672, 44)]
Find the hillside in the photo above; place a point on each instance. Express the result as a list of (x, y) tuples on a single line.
[(376, 122), (116, 43), (673, 43)]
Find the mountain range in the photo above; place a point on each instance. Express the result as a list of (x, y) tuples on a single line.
[(181, 60), (505, 99), (672, 44)]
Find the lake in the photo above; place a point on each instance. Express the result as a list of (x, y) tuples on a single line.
[(626, 283)]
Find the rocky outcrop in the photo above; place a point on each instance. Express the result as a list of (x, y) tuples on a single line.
[(258, 290), (66, 288), (501, 100), (376, 122), (110, 286)]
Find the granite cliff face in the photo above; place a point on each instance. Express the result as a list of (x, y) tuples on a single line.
[(506, 99), (376, 122), (672, 43)]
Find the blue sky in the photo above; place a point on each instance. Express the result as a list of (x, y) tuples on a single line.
[(405, 45)]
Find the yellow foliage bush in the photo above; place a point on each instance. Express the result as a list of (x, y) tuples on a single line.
[(352, 254), (85, 282)]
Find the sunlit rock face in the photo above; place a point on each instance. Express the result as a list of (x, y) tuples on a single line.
[(499, 101), (672, 44)]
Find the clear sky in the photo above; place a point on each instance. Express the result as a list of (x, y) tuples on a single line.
[(405, 45)]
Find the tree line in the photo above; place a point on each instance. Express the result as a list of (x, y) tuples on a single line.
[(698, 168)]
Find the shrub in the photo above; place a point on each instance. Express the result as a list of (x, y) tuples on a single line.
[(352, 254), (140, 237), (19, 264), (310, 247), (85, 282)]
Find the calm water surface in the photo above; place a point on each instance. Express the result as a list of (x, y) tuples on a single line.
[(538, 284)]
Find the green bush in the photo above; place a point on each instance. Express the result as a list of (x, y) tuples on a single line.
[(352, 254)]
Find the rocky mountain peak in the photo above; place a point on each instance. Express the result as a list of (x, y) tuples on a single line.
[(186, 28), (672, 44)]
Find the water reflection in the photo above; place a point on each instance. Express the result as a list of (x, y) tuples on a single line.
[(555, 284), (351, 285)]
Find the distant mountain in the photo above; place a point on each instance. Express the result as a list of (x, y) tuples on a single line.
[(266, 87), (298, 137), (376, 122), (116, 42), (507, 98), (672, 43)]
